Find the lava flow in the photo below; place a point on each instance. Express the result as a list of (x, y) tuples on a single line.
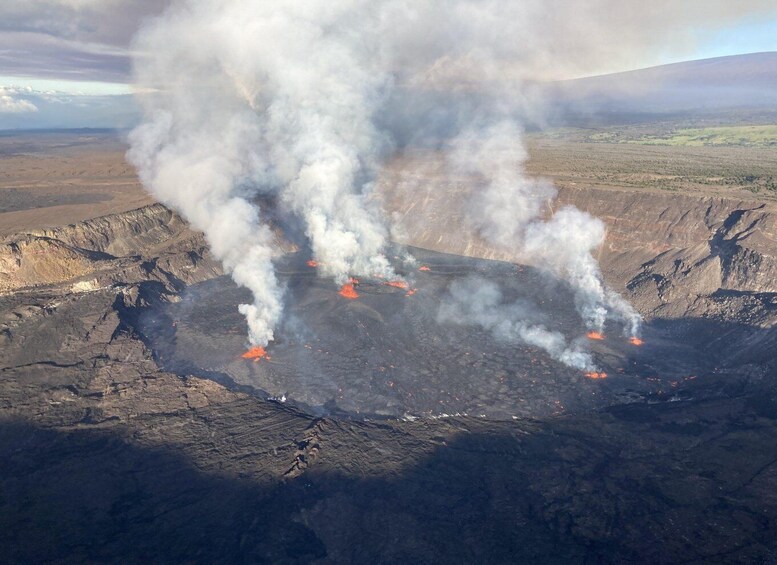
[(635, 341), (348, 291), (596, 376), (595, 335), (313, 263), (424, 268), (398, 284), (256, 353), (411, 292)]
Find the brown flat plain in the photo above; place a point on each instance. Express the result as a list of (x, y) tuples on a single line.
[(55, 178), (58, 178), (734, 171)]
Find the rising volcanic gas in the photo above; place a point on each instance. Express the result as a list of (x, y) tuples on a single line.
[(300, 104)]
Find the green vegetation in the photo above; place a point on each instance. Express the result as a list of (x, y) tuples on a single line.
[(754, 183), (745, 136), (614, 157)]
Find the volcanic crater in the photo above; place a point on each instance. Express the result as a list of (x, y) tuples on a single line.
[(385, 353), (672, 457)]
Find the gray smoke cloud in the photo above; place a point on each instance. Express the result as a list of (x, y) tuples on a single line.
[(303, 101)]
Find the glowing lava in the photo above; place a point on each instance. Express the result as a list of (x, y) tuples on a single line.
[(411, 292), (313, 263), (256, 353), (348, 291), (398, 284), (595, 335), (635, 341), (596, 376), (424, 268)]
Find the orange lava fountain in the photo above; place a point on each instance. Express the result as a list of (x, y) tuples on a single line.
[(595, 335), (256, 353), (596, 376), (635, 341), (348, 291)]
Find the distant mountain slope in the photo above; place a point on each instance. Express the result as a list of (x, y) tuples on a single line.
[(737, 81)]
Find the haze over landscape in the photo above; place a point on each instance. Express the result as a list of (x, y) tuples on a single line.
[(343, 282)]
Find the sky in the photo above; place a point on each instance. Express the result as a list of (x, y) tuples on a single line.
[(750, 37), (68, 63)]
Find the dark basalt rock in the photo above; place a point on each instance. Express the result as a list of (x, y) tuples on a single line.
[(105, 456)]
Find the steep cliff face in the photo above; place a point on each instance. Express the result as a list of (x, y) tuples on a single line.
[(676, 255), (28, 261), (136, 232), (149, 243), (673, 255)]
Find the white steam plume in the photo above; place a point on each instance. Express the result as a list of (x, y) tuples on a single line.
[(302, 100), (479, 301), (257, 97), (563, 244), (508, 212), (186, 174)]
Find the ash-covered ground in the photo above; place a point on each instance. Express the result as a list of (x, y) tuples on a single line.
[(388, 354)]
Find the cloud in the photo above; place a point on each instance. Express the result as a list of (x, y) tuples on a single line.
[(71, 39), (90, 39), (11, 103), (96, 22), (29, 108), (24, 54)]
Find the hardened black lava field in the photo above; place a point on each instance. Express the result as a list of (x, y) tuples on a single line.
[(387, 353)]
